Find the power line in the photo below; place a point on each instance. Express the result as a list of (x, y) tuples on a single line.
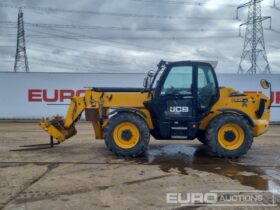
[(114, 14), (94, 41), (81, 37), (192, 3), (123, 46), (57, 67), (126, 46), (9, 27), (78, 50), (183, 2), (6, 59), (44, 25), (122, 28), (75, 36), (107, 61), (63, 65), (111, 38), (118, 61)]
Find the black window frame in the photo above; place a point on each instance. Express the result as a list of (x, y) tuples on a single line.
[(215, 97), (165, 75), (194, 95)]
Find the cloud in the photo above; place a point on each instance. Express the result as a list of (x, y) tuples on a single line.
[(212, 34)]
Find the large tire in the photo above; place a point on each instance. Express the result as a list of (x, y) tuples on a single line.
[(229, 136), (127, 134)]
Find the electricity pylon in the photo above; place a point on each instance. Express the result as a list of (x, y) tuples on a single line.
[(254, 59), (21, 62)]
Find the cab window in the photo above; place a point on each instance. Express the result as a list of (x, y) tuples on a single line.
[(178, 81), (206, 86)]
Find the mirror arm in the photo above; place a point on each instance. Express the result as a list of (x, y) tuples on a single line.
[(270, 90)]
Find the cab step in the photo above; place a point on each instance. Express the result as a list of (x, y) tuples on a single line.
[(179, 128), (179, 137)]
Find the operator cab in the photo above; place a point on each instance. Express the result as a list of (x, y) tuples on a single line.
[(182, 94)]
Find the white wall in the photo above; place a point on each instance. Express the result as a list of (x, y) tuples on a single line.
[(22, 94)]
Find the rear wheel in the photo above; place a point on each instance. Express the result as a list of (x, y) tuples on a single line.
[(127, 134), (229, 136)]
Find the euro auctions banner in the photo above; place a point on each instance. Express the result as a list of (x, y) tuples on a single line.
[(37, 95)]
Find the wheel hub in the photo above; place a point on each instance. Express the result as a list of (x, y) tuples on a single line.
[(126, 135), (229, 136)]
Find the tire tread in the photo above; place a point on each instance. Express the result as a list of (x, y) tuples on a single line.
[(211, 135), (143, 143)]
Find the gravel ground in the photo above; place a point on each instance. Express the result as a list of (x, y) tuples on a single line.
[(82, 174)]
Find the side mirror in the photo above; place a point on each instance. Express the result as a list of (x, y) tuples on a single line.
[(265, 84), (148, 79), (151, 73), (146, 82)]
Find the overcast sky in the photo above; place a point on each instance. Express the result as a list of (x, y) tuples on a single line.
[(130, 35)]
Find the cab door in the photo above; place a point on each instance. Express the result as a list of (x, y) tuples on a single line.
[(174, 104), (175, 94), (207, 89)]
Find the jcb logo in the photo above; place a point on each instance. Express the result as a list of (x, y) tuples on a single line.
[(179, 109)]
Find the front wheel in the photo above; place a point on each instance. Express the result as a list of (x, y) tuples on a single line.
[(127, 134), (229, 136)]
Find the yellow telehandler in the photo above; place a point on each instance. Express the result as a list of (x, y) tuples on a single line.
[(180, 101)]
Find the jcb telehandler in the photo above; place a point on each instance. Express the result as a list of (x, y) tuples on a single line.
[(180, 101)]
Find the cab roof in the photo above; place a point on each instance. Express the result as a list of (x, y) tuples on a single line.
[(212, 63)]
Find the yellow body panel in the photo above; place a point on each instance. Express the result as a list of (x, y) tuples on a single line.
[(75, 109), (98, 129), (104, 103), (250, 108), (131, 99)]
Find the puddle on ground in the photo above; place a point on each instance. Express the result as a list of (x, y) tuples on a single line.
[(10, 165), (182, 157)]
